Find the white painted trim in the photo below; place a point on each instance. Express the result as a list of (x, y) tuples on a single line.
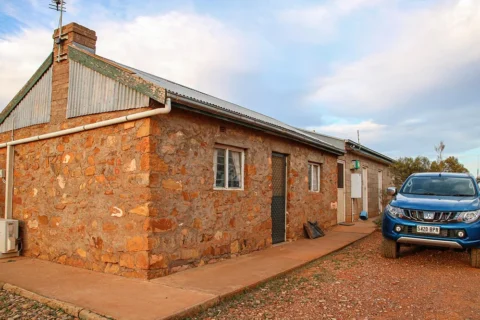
[(365, 189), (9, 183), (310, 187), (380, 191), (344, 193), (242, 165), (286, 198)]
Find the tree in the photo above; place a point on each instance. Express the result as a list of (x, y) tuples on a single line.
[(402, 168), (451, 164)]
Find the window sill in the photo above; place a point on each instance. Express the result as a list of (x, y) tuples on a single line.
[(227, 189)]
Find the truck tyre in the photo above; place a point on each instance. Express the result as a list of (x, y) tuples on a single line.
[(390, 248), (475, 257)]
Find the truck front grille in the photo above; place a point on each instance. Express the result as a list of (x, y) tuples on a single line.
[(438, 216)]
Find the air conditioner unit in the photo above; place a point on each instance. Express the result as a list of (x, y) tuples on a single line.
[(8, 238)]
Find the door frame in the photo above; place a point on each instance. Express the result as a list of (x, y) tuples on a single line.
[(344, 193), (380, 191), (365, 189), (285, 156)]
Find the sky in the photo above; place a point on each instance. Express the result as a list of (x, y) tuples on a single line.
[(405, 73)]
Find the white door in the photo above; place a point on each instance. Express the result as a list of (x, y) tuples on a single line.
[(365, 189), (341, 191), (380, 191)]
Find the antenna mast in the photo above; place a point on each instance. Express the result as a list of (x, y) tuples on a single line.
[(59, 5)]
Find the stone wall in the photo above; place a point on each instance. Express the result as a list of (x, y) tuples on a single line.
[(193, 224), (77, 198), (373, 167), (137, 199)]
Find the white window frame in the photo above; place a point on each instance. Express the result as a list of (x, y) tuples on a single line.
[(227, 150), (310, 184)]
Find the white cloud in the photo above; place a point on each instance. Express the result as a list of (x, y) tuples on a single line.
[(370, 132), (434, 47), (20, 56), (319, 22), (191, 49)]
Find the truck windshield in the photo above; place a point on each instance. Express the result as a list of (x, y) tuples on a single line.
[(440, 186)]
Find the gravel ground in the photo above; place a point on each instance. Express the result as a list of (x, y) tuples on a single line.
[(358, 283), (13, 306)]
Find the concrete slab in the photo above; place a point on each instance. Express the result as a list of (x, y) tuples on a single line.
[(109, 295), (174, 295), (359, 227)]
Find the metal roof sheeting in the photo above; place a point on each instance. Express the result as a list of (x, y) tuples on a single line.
[(337, 142), (34, 107), (231, 108), (356, 147), (91, 92)]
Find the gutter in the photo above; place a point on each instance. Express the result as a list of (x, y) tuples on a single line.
[(10, 145), (210, 109)]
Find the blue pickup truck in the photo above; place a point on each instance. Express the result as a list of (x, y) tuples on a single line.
[(434, 209)]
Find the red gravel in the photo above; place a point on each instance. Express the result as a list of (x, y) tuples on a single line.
[(358, 283)]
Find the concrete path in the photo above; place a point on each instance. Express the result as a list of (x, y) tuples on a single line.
[(178, 294)]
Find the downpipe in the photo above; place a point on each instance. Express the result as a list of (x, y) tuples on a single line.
[(10, 145)]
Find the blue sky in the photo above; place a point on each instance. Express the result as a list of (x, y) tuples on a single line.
[(406, 73)]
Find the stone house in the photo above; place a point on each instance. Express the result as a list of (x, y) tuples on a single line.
[(115, 170), (363, 171)]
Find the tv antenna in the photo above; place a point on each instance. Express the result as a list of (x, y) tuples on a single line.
[(59, 6)]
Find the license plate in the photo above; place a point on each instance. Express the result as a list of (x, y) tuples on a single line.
[(428, 229)]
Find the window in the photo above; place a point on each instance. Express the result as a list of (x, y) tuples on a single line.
[(313, 177), (228, 168)]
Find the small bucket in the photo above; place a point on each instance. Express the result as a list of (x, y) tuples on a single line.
[(364, 215)]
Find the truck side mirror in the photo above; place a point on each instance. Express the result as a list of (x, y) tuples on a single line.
[(391, 191)]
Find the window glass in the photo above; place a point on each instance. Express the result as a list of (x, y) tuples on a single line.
[(310, 177), (440, 186), (234, 169), (220, 163), (315, 178)]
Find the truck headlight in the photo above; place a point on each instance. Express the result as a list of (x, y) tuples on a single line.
[(469, 216), (394, 211)]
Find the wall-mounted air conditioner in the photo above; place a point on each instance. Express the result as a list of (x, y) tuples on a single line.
[(8, 238)]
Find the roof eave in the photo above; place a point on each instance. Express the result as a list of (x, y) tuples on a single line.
[(358, 148)]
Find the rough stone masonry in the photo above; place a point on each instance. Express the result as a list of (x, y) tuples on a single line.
[(137, 199)]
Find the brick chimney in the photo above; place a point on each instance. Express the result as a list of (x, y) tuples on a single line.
[(72, 34)]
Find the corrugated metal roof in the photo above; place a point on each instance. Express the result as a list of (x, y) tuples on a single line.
[(91, 92), (34, 108), (232, 108), (26, 88), (337, 142), (356, 147), (341, 143)]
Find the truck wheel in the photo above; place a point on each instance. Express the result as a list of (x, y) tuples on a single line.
[(390, 248), (475, 257)]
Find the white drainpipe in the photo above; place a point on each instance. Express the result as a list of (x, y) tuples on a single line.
[(10, 144)]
